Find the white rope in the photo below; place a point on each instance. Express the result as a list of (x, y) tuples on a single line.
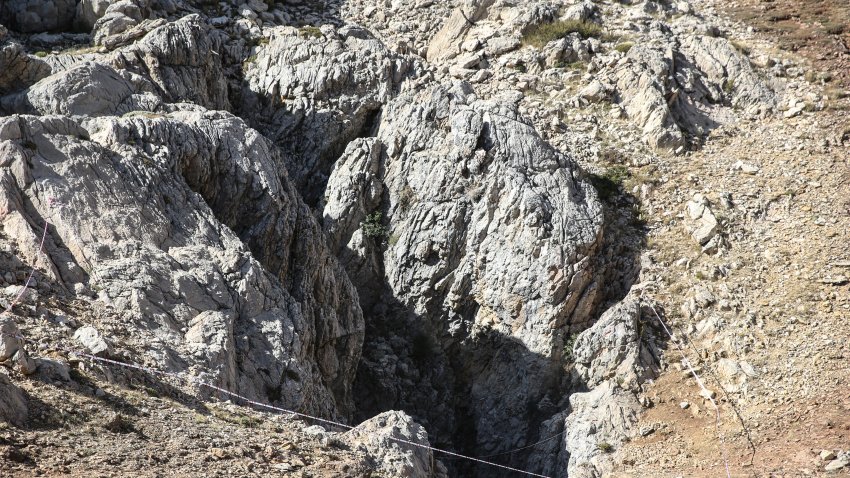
[(708, 393)]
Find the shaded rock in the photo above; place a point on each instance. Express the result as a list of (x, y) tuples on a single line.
[(315, 95), (167, 243), (13, 403), (38, 15)]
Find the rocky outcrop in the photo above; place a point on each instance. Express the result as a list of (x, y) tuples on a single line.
[(612, 359), (487, 247), (181, 58), (13, 405), (18, 70), (157, 235), (315, 92), (669, 85), (38, 15), (398, 444)]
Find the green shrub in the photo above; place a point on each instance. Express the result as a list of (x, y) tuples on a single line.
[(568, 347), (540, 35), (310, 31), (624, 47), (605, 447), (40, 54), (372, 226)]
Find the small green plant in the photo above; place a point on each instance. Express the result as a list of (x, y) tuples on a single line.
[(520, 67), (605, 447), (569, 343), (310, 31), (729, 86), (624, 47), (539, 35), (40, 54), (373, 226)]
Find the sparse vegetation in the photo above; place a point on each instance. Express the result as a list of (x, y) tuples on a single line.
[(539, 35), (40, 54), (729, 86), (835, 28), (605, 447), (624, 47), (310, 31), (568, 347), (373, 226)]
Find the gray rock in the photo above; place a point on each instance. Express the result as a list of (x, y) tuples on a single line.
[(13, 403), (91, 339), (10, 342), (23, 363), (318, 94), (615, 349), (177, 235), (38, 15), (182, 59), (396, 459), (837, 464), (669, 83), (446, 43), (612, 359)]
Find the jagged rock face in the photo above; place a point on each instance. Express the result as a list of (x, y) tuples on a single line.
[(612, 359), (182, 59), (670, 84), (150, 212), (38, 15), (17, 69), (489, 257), (315, 92)]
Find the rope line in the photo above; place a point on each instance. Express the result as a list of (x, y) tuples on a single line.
[(699, 381), (192, 379), (195, 380)]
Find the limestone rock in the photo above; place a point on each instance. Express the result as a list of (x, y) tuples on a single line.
[(13, 404), (38, 15), (491, 241), (314, 95), (616, 348), (446, 43), (87, 88), (181, 58), (668, 84), (166, 243), (17, 69), (703, 222), (395, 459), (92, 340), (10, 342)]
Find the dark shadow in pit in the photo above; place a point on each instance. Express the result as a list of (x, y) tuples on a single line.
[(477, 391)]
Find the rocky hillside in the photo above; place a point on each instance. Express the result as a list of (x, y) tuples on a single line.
[(458, 226)]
